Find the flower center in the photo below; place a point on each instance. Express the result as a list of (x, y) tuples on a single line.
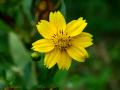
[(61, 40)]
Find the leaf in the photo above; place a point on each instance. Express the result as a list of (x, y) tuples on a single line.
[(63, 7), (23, 62), (19, 54)]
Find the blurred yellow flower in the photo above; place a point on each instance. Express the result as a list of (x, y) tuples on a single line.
[(62, 41)]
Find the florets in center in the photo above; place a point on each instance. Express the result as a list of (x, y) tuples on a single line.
[(61, 40)]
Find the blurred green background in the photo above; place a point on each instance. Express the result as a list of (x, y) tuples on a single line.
[(21, 71)]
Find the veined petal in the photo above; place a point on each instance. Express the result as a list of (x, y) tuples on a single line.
[(42, 45), (83, 40), (46, 29), (57, 20), (77, 53), (64, 61), (75, 27), (51, 58)]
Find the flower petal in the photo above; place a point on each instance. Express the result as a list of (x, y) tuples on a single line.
[(51, 58), (42, 45), (64, 61), (75, 27), (58, 20), (83, 40), (77, 53), (46, 29)]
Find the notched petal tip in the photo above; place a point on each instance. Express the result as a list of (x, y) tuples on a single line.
[(37, 25), (81, 18), (58, 12), (57, 19), (63, 68), (75, 27)]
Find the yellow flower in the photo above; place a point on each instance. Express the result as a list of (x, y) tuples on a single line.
[(62, 41)]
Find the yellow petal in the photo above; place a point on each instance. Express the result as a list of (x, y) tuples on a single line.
[(83, 40), (42, 45), (77, 53), (46, 29), (64, 61), (51, 58), (58, 20), (75, 27), (86, 34)]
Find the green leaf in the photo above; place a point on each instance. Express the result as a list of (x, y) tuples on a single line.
[(63, 7), (19, 54), (23, 62)]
